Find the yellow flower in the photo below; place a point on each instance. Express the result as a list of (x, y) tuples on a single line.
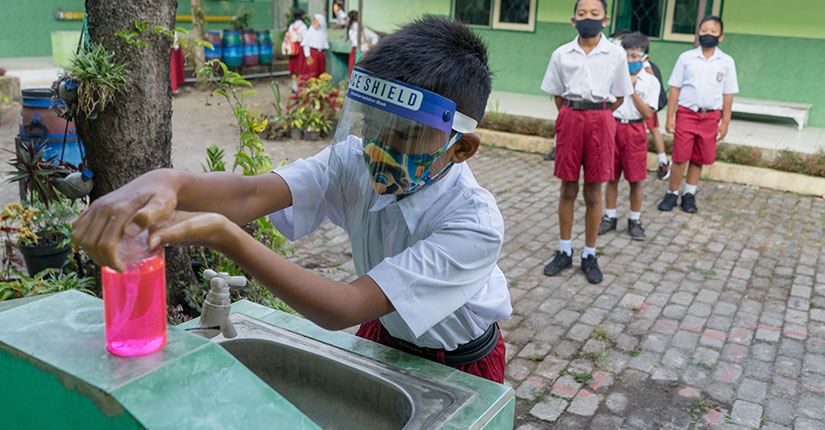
[(260, 127), (325, 76)]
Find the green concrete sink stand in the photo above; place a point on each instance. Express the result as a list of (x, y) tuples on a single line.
[(56, 373)]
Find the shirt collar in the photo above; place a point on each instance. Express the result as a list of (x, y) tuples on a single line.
[(717, 53), (603, 45), (414, 206)]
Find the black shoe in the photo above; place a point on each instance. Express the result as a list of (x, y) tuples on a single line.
[(607, 223), (663, 172), (669, 202), (560, 262), (590, 267), (689, 203), (550, 155), (635, 229)]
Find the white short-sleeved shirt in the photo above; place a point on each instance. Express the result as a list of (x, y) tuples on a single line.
[(703, 81), (600, 76), (433, 253), (647, 87), (300, 28)]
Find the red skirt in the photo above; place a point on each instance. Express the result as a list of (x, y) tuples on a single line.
[(352, 55), (318, 66), (176, 68), (296, 64), (490, 367)]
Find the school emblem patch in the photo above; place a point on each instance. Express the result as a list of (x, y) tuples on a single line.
[(720, 76)]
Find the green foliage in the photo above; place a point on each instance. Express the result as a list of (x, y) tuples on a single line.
[(315, 105), (47, 281), (242, 19), (35, 173), (101, 75), (581, 378), (52, 223), (214, 159)]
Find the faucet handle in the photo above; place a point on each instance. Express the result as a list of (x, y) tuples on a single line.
[(208, 274), (237, 281)]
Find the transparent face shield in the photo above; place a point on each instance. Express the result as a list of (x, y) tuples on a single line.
[(403, 131)]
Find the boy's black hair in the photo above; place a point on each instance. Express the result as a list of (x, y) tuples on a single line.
[(713, 18), (438, 55), (620, 33), (636, 40), (576, 6)]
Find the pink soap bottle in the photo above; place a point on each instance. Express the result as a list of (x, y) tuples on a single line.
[(134, 302)]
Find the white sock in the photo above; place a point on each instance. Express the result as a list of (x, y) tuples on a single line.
[(566, 246), (673, 192), (588, 251), (662, 158), (610, 212), (635, 216), (690, 189)]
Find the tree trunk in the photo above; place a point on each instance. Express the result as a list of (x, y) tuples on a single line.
[(197, 32), (134, 134)]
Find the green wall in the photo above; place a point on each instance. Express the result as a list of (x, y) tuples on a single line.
[(794, 18), (26, 26), (386, 16)]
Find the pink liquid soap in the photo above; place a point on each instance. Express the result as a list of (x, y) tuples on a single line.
[(134, 305)]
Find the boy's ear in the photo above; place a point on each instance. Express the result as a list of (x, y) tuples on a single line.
[(606, 21), (465, 148), (721, 38)]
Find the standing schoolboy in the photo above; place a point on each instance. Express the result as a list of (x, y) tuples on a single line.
[(588, 78), (703, 82), (631, 139), (425, 236)]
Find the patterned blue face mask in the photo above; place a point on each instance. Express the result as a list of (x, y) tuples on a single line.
[(634, 66), (395, 172)]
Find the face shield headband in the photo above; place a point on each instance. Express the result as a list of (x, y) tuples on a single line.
[(403, 121)]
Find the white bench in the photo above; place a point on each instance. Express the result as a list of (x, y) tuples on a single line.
[(796, 111)]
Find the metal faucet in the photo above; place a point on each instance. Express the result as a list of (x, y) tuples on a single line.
[(216, 306)]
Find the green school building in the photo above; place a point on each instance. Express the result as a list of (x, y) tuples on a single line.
[(779, 46)]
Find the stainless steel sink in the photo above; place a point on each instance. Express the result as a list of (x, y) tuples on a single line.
[(338, 389)]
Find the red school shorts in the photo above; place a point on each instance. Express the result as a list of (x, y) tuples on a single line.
[(490, 367), (631, 152), (652, 123), (695, 136), (585, 138)]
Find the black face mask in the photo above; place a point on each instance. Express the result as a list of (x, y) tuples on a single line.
[(589, 27), (708, 40)]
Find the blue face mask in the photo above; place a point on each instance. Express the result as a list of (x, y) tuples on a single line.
[(634, 66), (395, 172)]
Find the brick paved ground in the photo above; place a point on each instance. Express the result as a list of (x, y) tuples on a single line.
[(716, 321)]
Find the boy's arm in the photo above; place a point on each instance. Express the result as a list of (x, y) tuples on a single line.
[(727, 103), (154, 195), (559, 101), (617, 103), (672, 99), (330, 304), (646, 111)]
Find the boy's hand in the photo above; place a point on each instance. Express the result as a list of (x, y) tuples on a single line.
[(633, 79), (191, 228), (309, 61), (722, 131), (670, 126), (125, 211)]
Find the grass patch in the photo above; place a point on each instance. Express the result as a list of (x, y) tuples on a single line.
[(581, 378), (498, 121), (599, 333), (633, 352), (514, 283), (707, 273)]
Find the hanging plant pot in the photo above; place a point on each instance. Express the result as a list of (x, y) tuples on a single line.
[(41, 257), (295, 134)]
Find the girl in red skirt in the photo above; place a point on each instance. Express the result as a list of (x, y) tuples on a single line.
[(368, 38), (315, 43), (292, 45)]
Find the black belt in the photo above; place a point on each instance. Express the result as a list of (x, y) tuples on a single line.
[(583, 105), (629, 121), (470, 352), (703, 110)]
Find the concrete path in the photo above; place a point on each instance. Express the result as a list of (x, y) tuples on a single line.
[(767, 133), (717, 320)]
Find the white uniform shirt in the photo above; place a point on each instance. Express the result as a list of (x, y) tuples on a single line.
[(647, 87), (368, 37), (300, 28), (432, 253), (703, 81), (600, 76)]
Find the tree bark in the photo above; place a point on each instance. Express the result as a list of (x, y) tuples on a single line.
[(134, 134)]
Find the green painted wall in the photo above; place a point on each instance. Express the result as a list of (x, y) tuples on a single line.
[(26, 26), (560, 10), (794, 18), (386, 16), (34, 399)]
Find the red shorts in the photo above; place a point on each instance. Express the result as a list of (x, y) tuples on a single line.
[(695, 136), (585, 138), (652, 123), (631, 152), (490, 367)]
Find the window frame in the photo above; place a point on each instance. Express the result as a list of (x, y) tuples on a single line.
[(666, 23), (496, 24)]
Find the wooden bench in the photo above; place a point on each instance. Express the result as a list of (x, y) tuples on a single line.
[(796, 111)]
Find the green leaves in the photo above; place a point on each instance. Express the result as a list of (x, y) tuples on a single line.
[(100, 66)]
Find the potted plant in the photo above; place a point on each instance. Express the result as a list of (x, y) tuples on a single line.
[(43, 232), (101, 74)]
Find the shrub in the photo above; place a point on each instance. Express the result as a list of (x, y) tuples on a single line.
[(789, 161), (815, 164)]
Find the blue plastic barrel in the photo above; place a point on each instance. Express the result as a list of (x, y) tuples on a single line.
[(213, 37), (232, 48), (264, 47), (40, 126)]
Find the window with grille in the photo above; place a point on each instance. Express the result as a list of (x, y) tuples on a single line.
[(665, 19), (497, 14)]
